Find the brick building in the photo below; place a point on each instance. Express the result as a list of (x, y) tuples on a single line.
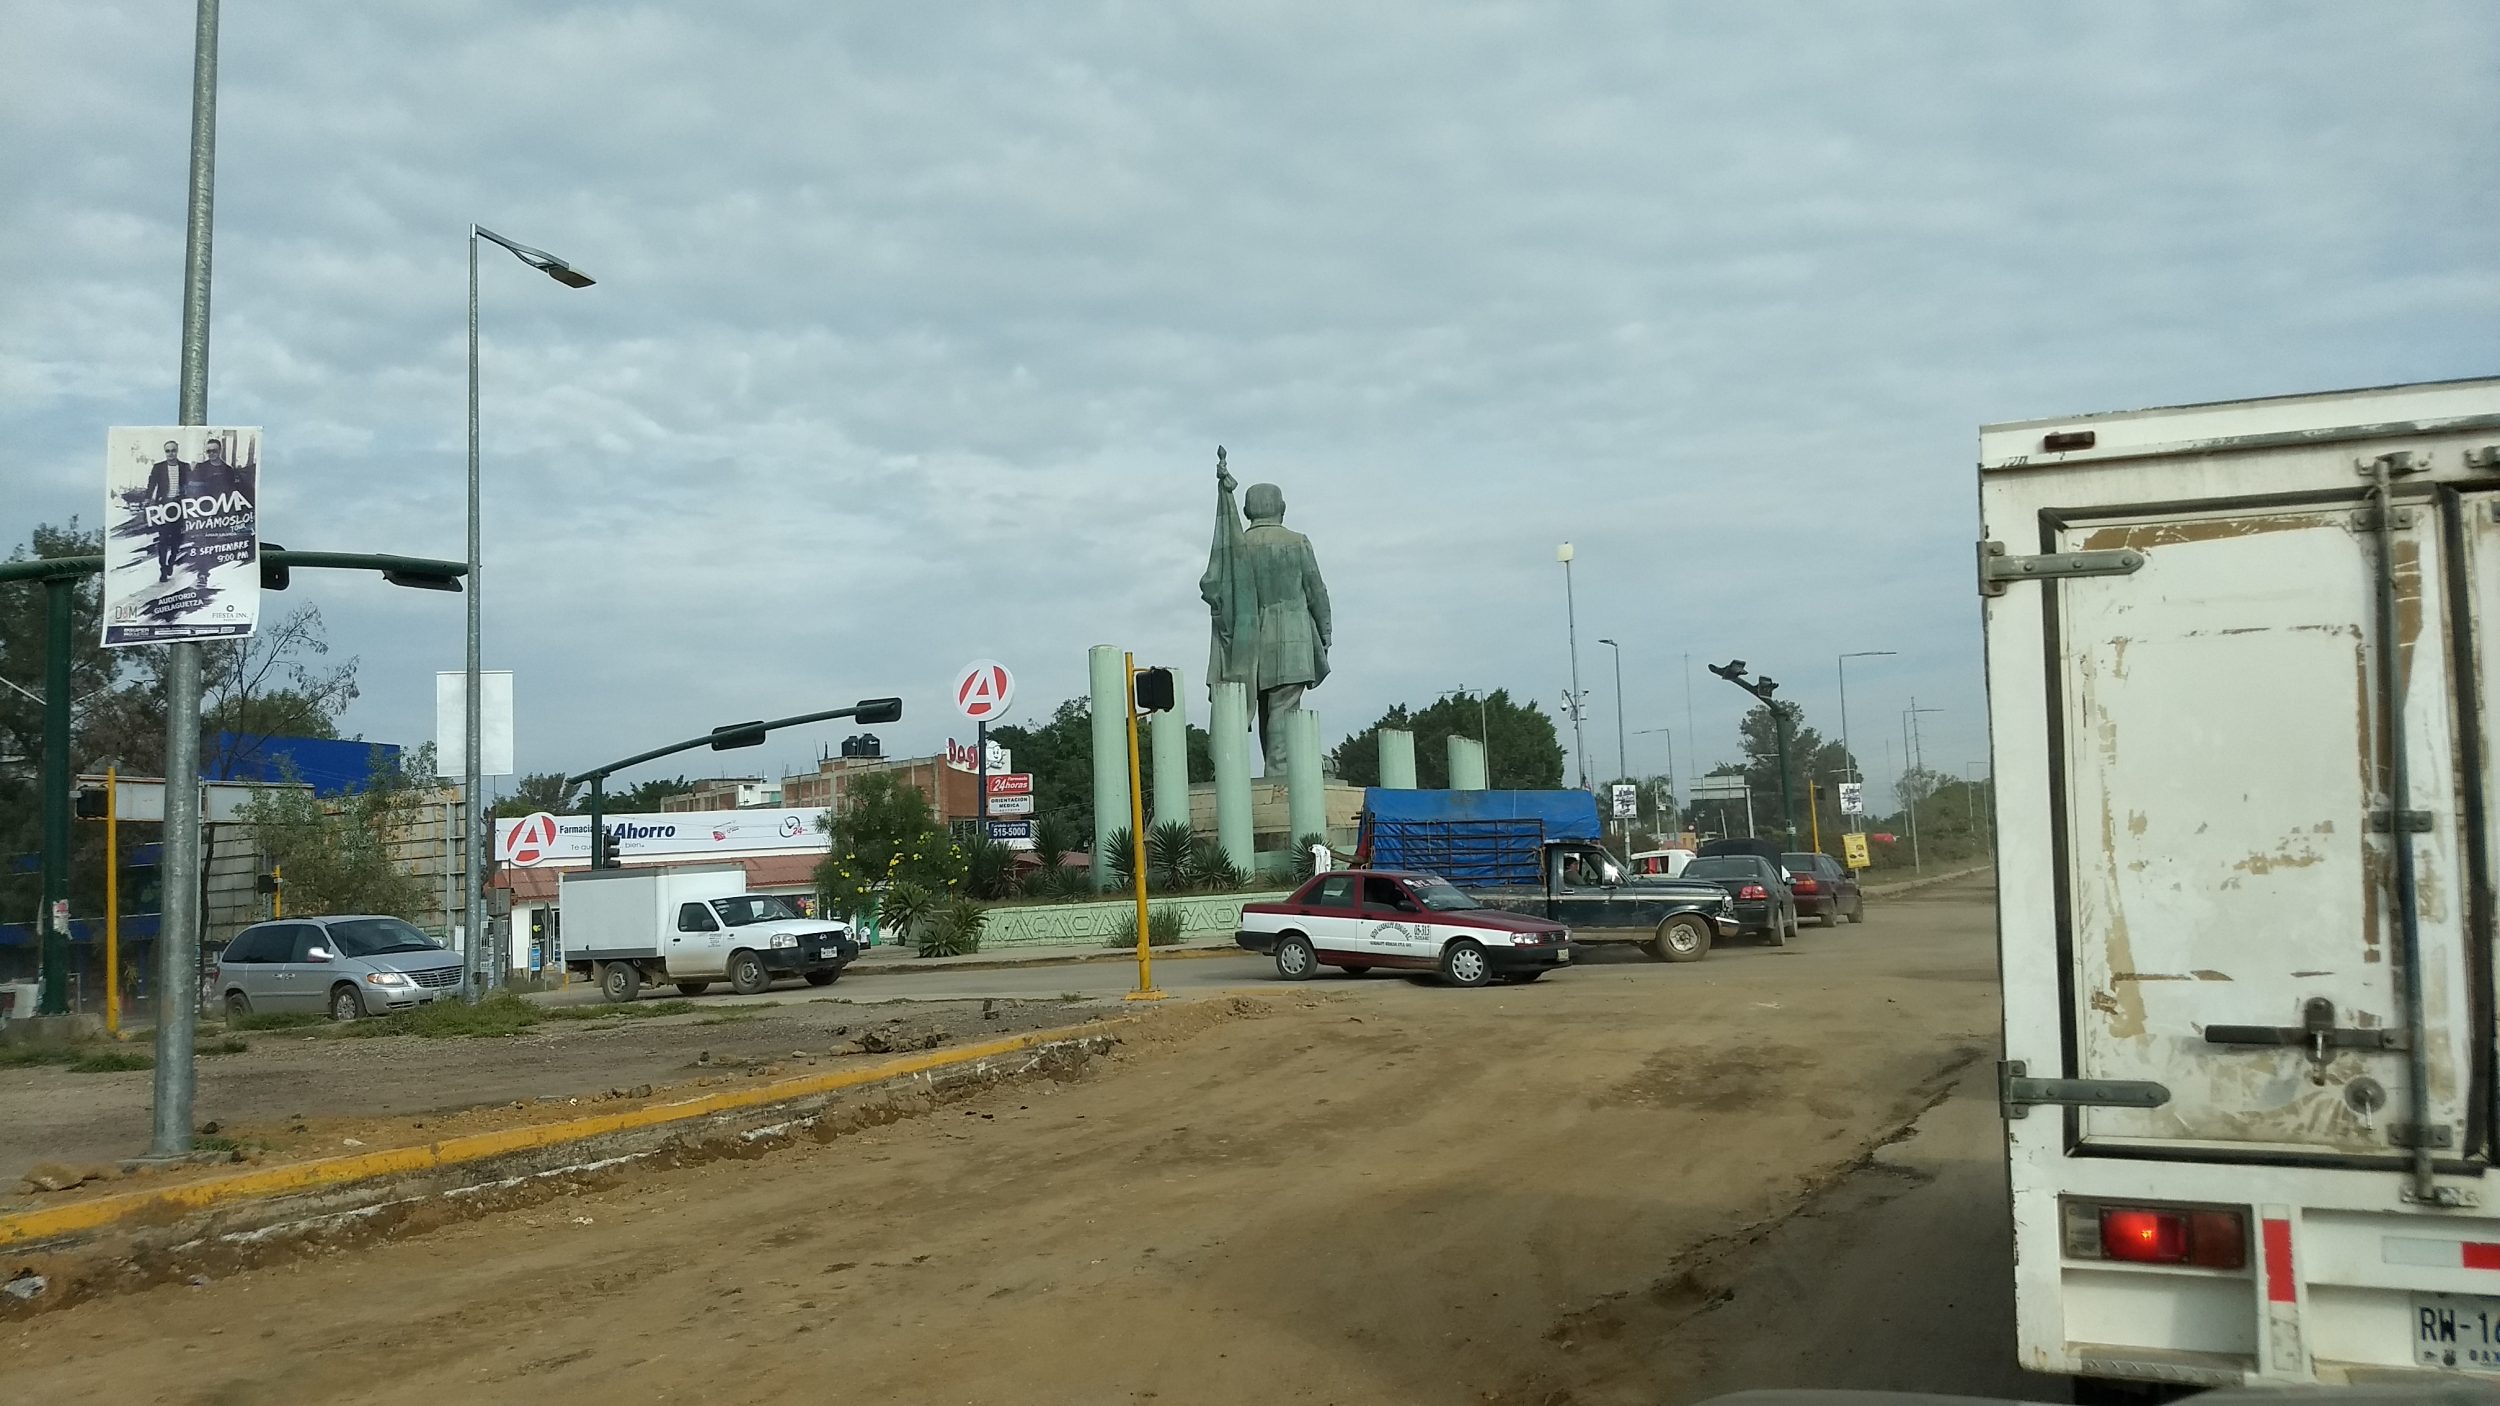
[(952, 794)]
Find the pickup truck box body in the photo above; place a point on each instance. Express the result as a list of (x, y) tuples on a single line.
[(2241, 679), (652, 920)]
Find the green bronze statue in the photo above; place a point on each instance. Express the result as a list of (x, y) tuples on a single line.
[(1270, 609)]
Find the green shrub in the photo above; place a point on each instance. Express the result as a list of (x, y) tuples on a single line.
[(110, 1062), (501, 1013), (639, 1010), (1059, 884), (903, 907), (1212, 869), (954, 930), (1123, 861), (1163, 927), (1168, 849), (989, 869)]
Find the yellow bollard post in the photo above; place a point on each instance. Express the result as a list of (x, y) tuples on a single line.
[(1137, 842), (1815, 812), (112, 905), (277, 894)]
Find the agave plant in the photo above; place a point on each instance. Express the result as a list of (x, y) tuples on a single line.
[(989, 869), (1168, 848), (1211, 868), (954, 929), (1054, 838), (903, 907), (1123, 860)]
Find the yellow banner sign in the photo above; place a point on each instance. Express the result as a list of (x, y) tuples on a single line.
[(1853, 851)]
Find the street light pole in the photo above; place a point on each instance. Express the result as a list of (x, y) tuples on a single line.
[(1911, 754), (1571, 621), (1623, 765), (178, 933), (1855, 822), (473, 708)]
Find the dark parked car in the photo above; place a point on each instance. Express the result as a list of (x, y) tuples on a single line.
[(1824, 887), (1763, 903)]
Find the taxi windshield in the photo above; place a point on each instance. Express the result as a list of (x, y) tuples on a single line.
[(1441, 896)]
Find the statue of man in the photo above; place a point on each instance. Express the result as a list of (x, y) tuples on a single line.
[(1270, 608)]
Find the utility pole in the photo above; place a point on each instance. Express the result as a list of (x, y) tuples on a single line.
[(1571, 621), (1623, 764), (1855, 822), (1910, 750), (178, 935)]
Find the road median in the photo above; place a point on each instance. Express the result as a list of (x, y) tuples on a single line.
[(250, 1200)]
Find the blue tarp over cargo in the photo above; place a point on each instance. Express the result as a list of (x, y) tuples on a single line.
[(1474, 838)]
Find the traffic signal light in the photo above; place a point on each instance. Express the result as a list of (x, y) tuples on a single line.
[(1154, 691), (273, 574), (91, 803)]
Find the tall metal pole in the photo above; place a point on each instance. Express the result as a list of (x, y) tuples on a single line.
[(472, 702), (1909, 803), (1856, 822), (178, 936), (1623, 764), (1571, 620), (58, 596)]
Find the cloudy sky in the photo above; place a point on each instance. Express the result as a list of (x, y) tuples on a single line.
[(917, 326)]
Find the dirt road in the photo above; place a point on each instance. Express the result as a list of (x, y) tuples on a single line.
[(1359, 1191)]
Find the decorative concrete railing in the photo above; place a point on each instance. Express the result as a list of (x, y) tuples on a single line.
[(1094, 924)]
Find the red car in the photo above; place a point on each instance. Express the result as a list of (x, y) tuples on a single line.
[(1358, 919)]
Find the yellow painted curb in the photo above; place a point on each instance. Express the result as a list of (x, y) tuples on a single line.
[(52, 1222)]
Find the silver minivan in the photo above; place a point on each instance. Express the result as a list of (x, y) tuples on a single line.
[(345, 966)]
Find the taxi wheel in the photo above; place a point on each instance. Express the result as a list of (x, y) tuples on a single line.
[(1464, 963), (1295, 958), (1681, 939)]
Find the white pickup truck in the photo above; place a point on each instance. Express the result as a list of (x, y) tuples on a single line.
[(2243, 679), (692, 925)]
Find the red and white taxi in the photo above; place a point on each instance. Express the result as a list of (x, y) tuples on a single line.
[(1358, 919)]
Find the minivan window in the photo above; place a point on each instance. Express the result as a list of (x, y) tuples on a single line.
[(374, 937), (266, 943)]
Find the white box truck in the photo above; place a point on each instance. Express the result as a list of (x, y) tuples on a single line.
[(692, 924), (2243, 669)]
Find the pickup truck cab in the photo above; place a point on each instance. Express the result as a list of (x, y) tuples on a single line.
[(1586, 887), (1358, 919)]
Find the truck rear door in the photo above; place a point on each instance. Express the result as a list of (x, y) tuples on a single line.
[(2225, 830)]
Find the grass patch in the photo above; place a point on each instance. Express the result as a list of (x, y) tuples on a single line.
[(731, 1018), (110, 1062), (28, 1056), (228, 1045), (639, 1010), (274, 1020), (502, 1013)]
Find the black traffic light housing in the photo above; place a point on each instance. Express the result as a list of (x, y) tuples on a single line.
[(273, 573), (91, 803), (1154, 691)]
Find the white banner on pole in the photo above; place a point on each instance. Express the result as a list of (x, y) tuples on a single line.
[(1853, 798), (181, 534), (451, 723), (1627, 800)]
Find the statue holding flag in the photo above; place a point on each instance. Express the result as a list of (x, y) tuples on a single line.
[(1269, 607)]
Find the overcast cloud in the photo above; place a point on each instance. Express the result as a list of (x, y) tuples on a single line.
[(917, 326)]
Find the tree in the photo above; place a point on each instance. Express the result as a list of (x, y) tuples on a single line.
[(1525, 751), (542, 790), (337, 854), (267, 686), (884, 834), (643, 799)]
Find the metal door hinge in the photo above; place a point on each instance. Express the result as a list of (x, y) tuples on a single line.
[(2016, 1093), (2417, 822), (1997, 567)]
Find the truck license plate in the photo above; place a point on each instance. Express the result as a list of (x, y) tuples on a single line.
[(2456, 1332), (1563, 956)]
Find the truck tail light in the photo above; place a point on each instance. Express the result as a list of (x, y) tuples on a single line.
[(1753, 891), (2204, 1238)]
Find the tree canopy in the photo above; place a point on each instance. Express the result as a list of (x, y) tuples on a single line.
[(1524, 752)]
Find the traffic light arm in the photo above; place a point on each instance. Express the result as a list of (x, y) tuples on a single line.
[(719, 739), (425, 573)]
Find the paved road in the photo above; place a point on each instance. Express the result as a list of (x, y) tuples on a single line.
[(1643, 1184)]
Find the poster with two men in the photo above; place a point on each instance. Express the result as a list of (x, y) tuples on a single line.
[(181, 534)]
